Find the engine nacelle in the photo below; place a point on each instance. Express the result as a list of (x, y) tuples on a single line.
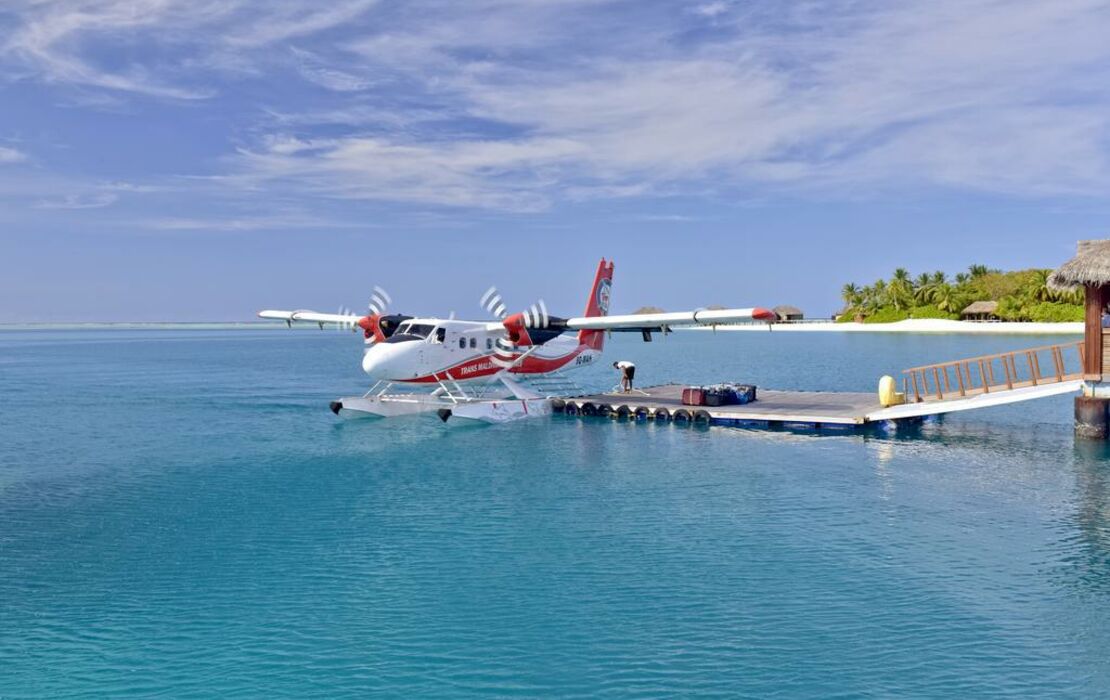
[(380, 327), (523, 332), (371, 328)]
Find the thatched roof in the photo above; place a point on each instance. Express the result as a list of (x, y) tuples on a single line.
[(1091, 265), (787, 310), (981, 307)]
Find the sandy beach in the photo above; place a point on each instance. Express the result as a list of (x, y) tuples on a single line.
[(914, 326)]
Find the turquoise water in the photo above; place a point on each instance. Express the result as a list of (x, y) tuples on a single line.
[(181, 515)]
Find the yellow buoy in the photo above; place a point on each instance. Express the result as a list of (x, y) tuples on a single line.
[(888, 392)]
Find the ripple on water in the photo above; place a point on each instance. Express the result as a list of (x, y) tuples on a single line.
[(207, 528)]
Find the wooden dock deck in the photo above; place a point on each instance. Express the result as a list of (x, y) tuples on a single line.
[(812, 409)]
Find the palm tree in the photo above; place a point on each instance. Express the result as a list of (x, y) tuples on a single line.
[(901, 288), (923, 294), (1040, 289), (978, 270), (947, 298), (879, 293), (867, 297), (851, 294), (962, 278), (940, 278)]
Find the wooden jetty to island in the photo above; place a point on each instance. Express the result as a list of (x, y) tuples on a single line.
[(931, 390)]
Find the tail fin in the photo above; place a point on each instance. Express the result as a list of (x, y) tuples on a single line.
[(598, 304)]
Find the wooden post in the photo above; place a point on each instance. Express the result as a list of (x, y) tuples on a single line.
[(1092, 336)]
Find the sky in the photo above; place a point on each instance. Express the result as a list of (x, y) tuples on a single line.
[(175, 160)]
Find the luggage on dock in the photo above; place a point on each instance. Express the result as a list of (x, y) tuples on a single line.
[(744, 393), (693, 396), (718, 395)]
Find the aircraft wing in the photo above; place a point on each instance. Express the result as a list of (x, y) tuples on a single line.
[(657, 322), (310, 317), (650, 322)]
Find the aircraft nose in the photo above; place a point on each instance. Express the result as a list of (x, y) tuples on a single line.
[(375, 360)]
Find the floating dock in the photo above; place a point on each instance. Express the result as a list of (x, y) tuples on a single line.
[(807, 410), (931, 390)]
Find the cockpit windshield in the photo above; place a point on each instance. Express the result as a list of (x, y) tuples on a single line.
[(420, 330)]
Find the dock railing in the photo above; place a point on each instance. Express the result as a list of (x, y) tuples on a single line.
[(1049, 364)]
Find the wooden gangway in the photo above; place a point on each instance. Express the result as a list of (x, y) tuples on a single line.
[(986, 374)]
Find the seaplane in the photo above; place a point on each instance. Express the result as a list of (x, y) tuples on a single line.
[(492, 371)]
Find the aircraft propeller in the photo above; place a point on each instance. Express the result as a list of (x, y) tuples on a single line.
[(519, 327)]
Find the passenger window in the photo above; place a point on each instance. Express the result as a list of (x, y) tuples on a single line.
[(462, 343), (473, 343), (441, 334), (489, 343)]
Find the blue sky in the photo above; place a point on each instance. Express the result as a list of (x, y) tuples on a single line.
[(201, 159)]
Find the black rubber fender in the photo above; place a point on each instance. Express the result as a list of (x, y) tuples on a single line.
[(681, 416), (702, 418), (641, 413), (558, 405), (624, 411), (662, 414), (604, 410), (588, 409)]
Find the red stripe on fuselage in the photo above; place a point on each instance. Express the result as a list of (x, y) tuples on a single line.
[(483, 367)]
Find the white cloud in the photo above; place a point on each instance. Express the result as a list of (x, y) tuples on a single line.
[(518, 105), (712, 9), (65, 41), (313, 69), (496, 174), (981, 95), (95, 200), (11, 155), (245, 223)]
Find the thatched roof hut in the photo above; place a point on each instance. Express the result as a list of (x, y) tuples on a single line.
[(1091, 265), (980, 309), (785, 312)]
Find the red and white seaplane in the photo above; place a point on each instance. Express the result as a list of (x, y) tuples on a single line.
[(480, 370)]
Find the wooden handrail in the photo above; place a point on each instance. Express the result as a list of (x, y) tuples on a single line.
[(1042, 348), (984, 380)]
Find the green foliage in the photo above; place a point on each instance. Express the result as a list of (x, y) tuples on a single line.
[(887, 315), (1042, 312), (931, 311), (1023, 295)]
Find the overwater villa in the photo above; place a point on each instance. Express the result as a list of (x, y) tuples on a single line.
[(1090, 268)]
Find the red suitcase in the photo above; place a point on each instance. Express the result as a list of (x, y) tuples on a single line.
[(693, 396)]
